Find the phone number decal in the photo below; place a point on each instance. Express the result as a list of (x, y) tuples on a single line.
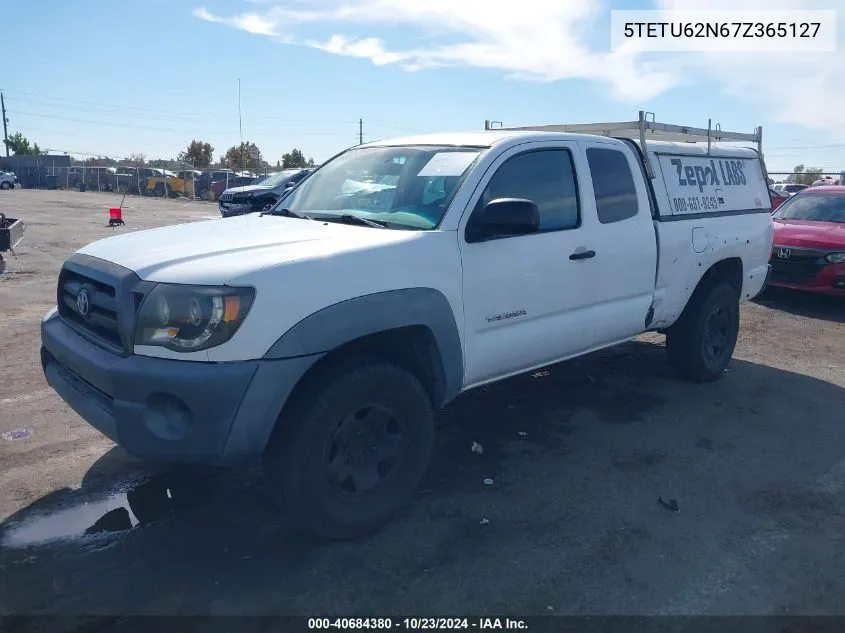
[(695, 204)]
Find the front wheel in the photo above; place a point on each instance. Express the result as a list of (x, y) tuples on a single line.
[(700, 345), (6, 185), (352, 450)]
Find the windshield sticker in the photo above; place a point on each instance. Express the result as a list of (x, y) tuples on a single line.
[(448, 164)]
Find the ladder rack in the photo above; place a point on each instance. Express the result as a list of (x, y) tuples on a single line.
[(647, 129)]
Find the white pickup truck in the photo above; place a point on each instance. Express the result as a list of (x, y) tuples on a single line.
[(323, 334)]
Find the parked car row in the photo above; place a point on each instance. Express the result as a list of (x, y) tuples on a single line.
[(151, 181), (788, 188)]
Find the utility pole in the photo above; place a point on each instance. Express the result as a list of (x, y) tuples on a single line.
[(361, 131), (5, 121), (240, 125)]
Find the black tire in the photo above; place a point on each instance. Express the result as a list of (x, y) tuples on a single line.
[(307, 460), (700, 345), (6, 185), (122, 188), (203, 195), (2, 265)]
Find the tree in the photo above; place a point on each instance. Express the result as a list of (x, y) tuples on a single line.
[(21, 146), (294, 158), (311, 162), (164, 163), (136, 160), (805, 175), (199, 154), (243, 156), (100, 161)]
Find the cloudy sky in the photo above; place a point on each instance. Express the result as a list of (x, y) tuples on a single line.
[(101, 77)]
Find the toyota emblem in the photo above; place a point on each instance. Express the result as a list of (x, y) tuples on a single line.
[(783, 253), (82, 302)]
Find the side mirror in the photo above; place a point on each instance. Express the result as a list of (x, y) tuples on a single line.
[(504, 217), (289, 184)]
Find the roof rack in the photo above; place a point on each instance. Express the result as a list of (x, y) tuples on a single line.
[(647, 129)]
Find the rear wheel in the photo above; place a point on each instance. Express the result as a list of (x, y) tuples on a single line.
[(6, 185), (700, 345), (352, 449)]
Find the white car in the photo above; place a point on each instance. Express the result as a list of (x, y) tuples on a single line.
[(322, 336), (8, 180)]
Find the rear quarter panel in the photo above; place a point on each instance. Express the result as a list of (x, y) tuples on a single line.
[(690, 241)]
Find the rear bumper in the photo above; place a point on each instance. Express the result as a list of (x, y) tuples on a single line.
[(169, 410)]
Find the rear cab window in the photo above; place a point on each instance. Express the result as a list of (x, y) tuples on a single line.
[(613, 185)]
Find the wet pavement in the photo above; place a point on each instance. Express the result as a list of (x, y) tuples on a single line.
[(559, 510)]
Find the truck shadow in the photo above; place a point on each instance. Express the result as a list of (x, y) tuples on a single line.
[(804, 304), (136, 540)]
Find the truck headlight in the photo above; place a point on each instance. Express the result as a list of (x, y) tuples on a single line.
[(835, 258), (191, 318)]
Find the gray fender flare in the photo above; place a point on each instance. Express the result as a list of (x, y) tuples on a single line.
[(296, 351), (348, 320)]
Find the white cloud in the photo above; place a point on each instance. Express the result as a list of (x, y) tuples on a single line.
[(804, 89), (550, 40), (535, 40)]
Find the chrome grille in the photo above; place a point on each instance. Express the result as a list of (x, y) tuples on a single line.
[(226, 197)]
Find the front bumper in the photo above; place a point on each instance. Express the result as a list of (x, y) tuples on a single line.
[(830, 280), (169, 410), (228, 209)]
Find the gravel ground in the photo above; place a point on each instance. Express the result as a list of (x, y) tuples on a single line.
[(578, 455)]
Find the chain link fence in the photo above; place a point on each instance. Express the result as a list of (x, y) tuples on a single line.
[(193, 184)]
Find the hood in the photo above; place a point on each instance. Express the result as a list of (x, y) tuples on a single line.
[(218, 251), (809, 233), (248, 188)]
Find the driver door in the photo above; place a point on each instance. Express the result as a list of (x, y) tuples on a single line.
[(526, 299)]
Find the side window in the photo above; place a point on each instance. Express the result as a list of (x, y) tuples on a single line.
[(613, 185), (546, 177)]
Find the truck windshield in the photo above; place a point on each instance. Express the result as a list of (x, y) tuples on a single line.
[(820, 207), (406, 187)]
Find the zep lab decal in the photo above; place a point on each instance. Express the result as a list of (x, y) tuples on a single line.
[(712, 184)]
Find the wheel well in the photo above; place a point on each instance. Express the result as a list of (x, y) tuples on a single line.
[(412, 347), (729, 270)]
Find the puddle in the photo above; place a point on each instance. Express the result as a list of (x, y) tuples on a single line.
[(144, 503), (16, 434)]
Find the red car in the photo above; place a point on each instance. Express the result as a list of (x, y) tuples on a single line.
[(808, 250)]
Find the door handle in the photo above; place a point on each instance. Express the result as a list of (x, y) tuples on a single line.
[(583, 255)]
